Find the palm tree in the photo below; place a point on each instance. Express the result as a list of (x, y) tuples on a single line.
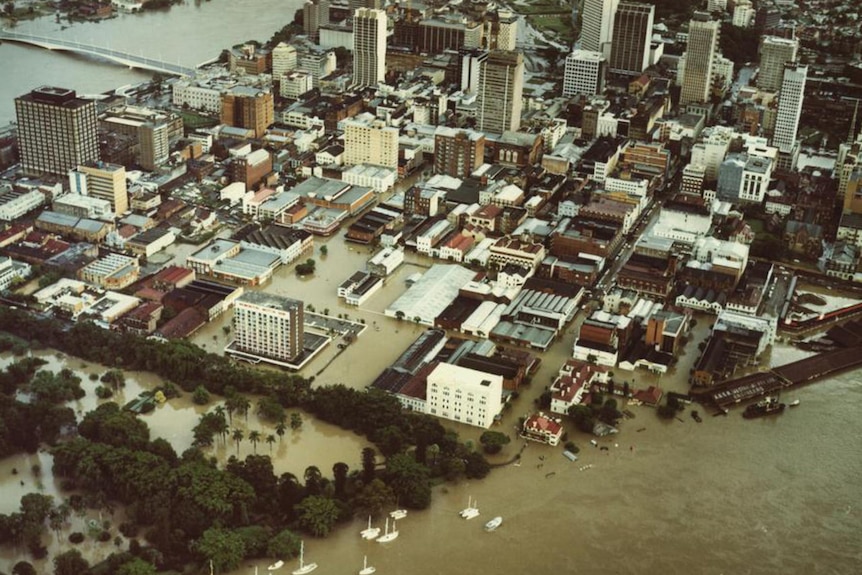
[(222, 428), (243, 405), (270, 439), (230, 407), (254, 437), (280, 429), (219, 410), (238, 436)]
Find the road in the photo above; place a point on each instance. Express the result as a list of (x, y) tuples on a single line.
[(607, 279)]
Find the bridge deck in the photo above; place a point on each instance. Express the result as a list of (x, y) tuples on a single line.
[(117, 56)]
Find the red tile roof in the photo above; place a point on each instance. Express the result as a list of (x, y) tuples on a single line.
[(539, 422)]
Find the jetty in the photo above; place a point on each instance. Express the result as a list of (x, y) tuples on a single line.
[(773, 381)]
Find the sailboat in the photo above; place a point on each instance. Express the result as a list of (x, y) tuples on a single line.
[(389, 535), (471, 511), (366, 568), (303, 567), (370, 532)]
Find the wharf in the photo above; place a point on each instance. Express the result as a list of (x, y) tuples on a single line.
[(773, 381)]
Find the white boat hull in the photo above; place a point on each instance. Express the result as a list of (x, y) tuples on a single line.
[(398, 514), (305, 569), (368, 571), (372, 533), (493, 524), (276, 565)]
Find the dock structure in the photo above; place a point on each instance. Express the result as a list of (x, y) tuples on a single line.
[(757, 385)]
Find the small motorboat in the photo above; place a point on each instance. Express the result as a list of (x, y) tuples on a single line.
[(398, 514), (493, 523), (793, 403), (277, 565)]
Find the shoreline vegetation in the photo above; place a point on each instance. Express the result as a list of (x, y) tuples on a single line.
[(183, 509)]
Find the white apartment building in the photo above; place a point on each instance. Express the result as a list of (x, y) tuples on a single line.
[(268, 326), (464, 395), (584, 74), (368, 140)]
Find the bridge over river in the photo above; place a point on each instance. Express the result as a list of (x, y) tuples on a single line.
[(117, 56)]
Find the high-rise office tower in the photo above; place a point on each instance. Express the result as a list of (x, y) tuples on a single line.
[(471, 62), (597, 21), (775, 52), (315, 13), (57, 131), (630, 40), (268, 326), (501, 86), (104, 181), (700, 53), (789, 107), (585, 73), (369, 47)]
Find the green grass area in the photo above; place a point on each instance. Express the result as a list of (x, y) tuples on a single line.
[(194, 121), (542, 8), (561, 24)]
